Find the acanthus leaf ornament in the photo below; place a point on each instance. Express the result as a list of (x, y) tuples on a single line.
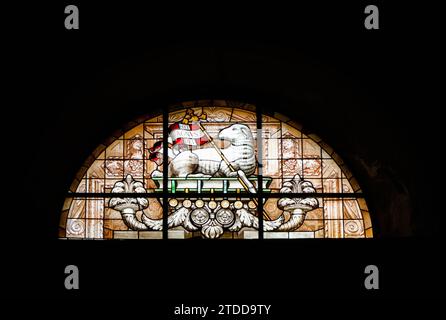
[(213, 220), (129, 206)]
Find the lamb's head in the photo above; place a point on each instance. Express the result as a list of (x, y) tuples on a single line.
[(235, 132)]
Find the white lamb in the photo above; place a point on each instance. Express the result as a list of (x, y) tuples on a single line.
[(207, 162)]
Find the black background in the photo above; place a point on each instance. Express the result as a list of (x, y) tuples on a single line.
[(363, 91)]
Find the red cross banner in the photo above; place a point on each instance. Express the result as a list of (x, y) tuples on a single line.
[(187, 134), (180, 135)]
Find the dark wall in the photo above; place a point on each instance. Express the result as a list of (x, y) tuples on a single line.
[(359, 90)]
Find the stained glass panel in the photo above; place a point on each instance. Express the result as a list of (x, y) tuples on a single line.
[(215, 149)]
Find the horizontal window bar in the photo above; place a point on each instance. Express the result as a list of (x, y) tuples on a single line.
[(213, 195)]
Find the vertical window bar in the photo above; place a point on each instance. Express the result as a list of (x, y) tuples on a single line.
[(259, 170), (165, 168)]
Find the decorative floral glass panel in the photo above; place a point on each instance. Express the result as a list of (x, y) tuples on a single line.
[(221, 170)]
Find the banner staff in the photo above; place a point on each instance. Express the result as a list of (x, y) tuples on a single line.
[(248, 186)]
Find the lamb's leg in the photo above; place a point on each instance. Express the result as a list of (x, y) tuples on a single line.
[(183, 164), (242, 176), (228, 172), (232, 174), (157, 173)]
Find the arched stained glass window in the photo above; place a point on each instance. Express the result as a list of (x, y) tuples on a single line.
[(214, 169)]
